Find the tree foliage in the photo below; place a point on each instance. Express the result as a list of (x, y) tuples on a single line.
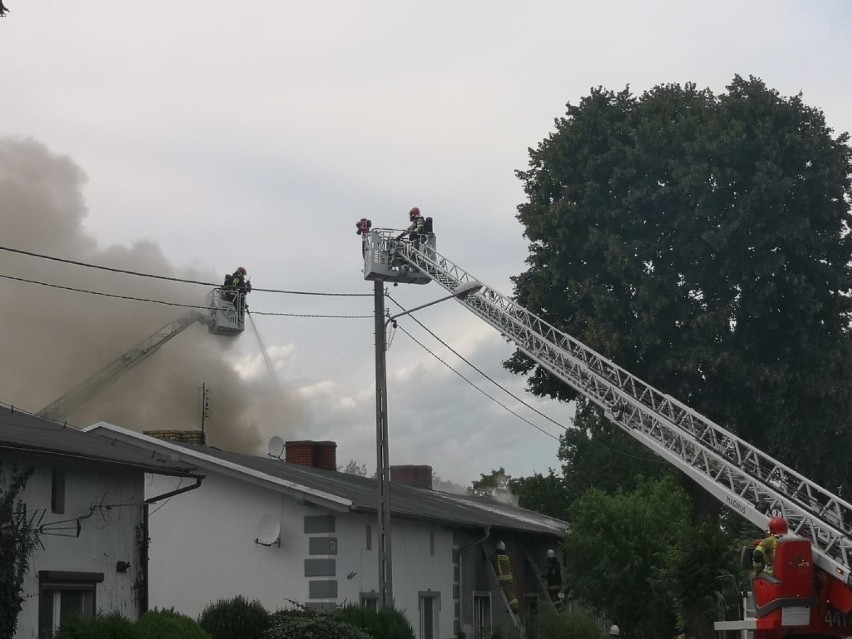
[(167, 624), (701, 241), (384, 623), (570, 625), (236, 618), (17, 539), (639, 557), (112, 626), (307, 624)]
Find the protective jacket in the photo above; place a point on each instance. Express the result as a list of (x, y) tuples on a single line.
[(417, 227), (763, 557), (554, 574)]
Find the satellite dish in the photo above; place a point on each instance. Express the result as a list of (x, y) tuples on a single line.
[(275, 448), (269, 531)]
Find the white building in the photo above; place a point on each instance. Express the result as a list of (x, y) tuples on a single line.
[(299, 531), (86, 498)]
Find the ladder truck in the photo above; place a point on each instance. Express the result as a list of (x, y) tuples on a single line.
[(224, 316), (810, 592)]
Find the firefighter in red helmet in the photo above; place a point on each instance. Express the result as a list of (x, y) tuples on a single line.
[(416, 227), (763, 557)]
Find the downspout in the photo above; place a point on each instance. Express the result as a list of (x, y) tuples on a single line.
[(145, 541), (461, 569)]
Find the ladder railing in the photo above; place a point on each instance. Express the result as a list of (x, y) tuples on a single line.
[(745, 479)]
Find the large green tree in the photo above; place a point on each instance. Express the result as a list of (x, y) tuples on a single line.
[(702, 242), (639, 558)]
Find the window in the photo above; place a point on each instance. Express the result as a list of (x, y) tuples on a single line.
[(482, 616), (429, 606), (431, 543), (65, 595), (57, 492), (370, 600), (369, 537)]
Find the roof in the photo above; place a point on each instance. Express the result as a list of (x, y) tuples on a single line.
[(27, 433), (359, 494)]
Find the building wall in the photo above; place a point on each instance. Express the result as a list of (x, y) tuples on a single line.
[(108, 503), (203, 549)]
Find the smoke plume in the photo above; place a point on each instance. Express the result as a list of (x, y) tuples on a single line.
[(53, 339)]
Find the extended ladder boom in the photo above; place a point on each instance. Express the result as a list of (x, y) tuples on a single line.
[(70, 401), (742, 477)]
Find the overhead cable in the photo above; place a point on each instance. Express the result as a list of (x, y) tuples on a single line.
[(170, 279), (492, 398), (164, 303)]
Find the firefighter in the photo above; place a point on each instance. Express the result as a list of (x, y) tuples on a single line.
[(504, 575), (554, 578), (363, 229), (417, 223), (416, 227), (763, 557), (236, 288)]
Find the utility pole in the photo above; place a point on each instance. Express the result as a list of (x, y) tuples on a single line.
[(382, 456)]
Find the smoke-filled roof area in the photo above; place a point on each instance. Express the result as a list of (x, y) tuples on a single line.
[(54, 339)]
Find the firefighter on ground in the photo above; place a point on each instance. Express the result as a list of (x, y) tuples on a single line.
[(504, 575), (236, 288), (553, 576), (763, 557)]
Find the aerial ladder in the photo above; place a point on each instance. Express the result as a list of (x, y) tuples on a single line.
[(224, 316), (811, 591)]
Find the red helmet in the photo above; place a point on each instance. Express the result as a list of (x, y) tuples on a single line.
[(778, 526), (415, 212), (241, 270)]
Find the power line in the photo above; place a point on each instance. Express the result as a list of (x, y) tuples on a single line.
[(170, 279), (478, 370), (506, 390), (493, 399), (164, 303), (481, 372)]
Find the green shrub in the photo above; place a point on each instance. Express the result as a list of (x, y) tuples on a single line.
[(386, 623), (306, 624), (112, 626), (570, 625), (235, 618), (168, 624)]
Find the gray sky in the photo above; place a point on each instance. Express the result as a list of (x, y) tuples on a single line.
[(186, 138)]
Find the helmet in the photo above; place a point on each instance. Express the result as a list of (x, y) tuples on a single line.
[(501, 545), (778, 526), (550, 553), (614, 630), (241, 270), (415, 212)]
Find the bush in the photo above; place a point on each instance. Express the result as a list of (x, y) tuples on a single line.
[(570, 625), (112, 626), (235, 618), (386, 623), (305, 624), (168, 624)]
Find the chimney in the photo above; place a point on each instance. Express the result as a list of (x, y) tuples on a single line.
[(183, 436), (417, 476), (314, 454)]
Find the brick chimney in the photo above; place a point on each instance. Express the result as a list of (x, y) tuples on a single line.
[(312, 453), (183, 436), (417, 476)]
